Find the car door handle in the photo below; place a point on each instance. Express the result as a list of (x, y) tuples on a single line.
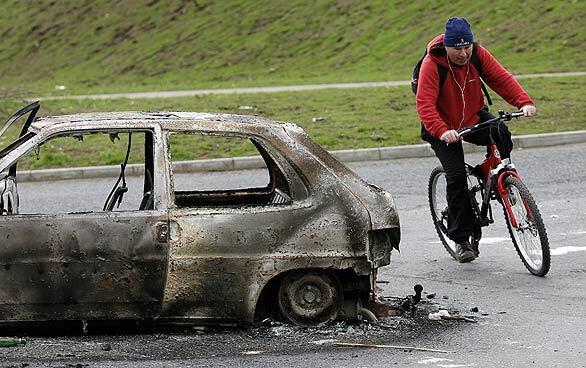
[(162, 232)]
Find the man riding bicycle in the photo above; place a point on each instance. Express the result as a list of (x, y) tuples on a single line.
[(449, 97)]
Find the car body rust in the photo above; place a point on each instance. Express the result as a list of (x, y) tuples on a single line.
[(201, 256)]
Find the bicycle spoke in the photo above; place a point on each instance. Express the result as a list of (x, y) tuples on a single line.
[(529, 235), (529, 241), (439, 208)]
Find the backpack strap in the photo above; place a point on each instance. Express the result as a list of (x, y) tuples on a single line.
[(488, 99), (442, 72), (415, 76)]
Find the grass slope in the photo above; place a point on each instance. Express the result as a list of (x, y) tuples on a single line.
[(109, 46)]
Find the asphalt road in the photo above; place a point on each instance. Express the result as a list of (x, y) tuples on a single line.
[(522, 320)]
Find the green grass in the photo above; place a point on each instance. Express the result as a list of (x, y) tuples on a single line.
[(355, 118), (112, 46)]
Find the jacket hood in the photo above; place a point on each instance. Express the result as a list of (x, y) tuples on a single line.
[(436, 50)]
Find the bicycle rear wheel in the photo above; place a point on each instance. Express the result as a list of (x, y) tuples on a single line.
[(438, 205), (529, 237)]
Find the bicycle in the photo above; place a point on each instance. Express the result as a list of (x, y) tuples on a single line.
[(495, 179)]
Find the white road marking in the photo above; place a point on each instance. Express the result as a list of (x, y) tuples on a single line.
[(493, 240), (564, 250), (434, 360), (323, 342), (574, 233), (483, 241), (252, 352), (554, 251)]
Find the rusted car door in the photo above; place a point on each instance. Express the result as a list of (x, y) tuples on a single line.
[(81, 266), (84, 265)]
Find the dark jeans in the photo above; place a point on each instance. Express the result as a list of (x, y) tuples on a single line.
[(451, 157)]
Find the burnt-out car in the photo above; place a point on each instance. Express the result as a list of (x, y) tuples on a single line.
[(300, 240)]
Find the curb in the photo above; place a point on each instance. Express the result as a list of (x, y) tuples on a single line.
[(255, 162)]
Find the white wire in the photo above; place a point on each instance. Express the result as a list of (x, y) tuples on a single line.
[(459, 86)]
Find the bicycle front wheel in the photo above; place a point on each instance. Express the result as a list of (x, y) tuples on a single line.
[(529, 236)]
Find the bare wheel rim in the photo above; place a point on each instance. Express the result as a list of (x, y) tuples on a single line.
[(310, 298), (439, 208)]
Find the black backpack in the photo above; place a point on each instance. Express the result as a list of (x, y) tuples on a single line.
[(443, 72)]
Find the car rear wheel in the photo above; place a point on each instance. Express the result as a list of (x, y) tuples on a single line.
[(310, 298)]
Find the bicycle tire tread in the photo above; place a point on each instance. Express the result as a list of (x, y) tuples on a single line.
[(543, 239)]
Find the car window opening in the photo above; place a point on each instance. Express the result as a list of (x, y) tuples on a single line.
[(266, 186), (133, 190)]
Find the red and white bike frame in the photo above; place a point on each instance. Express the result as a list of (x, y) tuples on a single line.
[(494, 168)]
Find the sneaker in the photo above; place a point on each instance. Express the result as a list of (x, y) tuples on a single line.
[(464, 252), (475, 250)]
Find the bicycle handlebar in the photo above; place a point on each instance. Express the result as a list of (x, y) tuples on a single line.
[(509, 115), (503, 116)]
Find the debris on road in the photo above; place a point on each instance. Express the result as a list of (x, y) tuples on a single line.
[(282, 330), (461, 318), (436, 316), (407, 304), (443, 314), (7, 342)]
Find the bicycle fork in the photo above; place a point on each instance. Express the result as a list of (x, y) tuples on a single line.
[(504, 194)]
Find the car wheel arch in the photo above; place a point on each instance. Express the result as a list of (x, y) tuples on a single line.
[(266, 305)]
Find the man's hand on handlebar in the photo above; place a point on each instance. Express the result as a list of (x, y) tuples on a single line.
[(528, 110), (451, 136)]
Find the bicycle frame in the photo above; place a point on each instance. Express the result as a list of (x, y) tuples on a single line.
[(492, 172)]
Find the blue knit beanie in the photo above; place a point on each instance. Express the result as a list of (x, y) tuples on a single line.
[(458, 33)]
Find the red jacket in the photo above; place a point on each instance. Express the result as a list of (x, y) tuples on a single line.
[(444, 110)]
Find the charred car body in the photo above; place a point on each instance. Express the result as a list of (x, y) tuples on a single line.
[(306, 245)]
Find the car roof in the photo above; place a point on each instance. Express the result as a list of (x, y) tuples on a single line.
[(168, 120)]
